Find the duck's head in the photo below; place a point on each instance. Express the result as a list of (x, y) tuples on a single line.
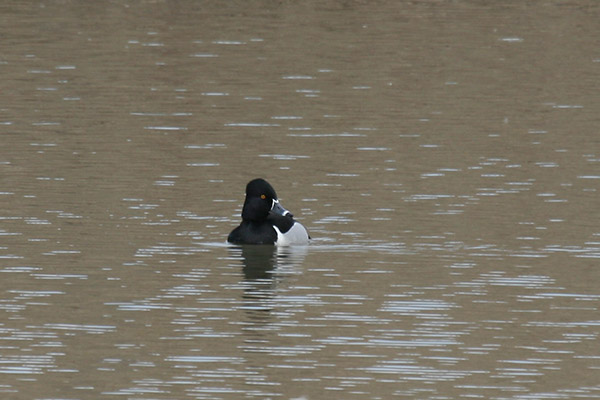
[(261, 199)]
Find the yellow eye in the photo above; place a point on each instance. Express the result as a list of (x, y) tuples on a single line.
[(262, 196)]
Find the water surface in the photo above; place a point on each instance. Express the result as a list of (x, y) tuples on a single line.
[(444, 157)]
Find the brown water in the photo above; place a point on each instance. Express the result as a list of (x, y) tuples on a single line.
[(443, 155)]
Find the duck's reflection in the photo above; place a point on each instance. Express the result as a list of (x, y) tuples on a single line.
[(265, 268), (258, 261)]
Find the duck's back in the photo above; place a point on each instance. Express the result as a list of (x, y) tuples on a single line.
[(253, 233)]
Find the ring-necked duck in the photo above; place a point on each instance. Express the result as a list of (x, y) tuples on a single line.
[(265, 221)]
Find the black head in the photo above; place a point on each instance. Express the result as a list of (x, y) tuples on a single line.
[(259, 187), (259, 200)]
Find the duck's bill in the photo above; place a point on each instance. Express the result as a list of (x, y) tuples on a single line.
[(278, 209)]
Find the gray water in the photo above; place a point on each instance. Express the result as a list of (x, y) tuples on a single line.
[(443, 155)]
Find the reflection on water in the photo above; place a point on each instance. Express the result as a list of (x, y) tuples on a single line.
[(264, 267), (269, 262), (443, 156)]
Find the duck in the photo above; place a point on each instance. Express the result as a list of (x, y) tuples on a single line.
[(265, 220)]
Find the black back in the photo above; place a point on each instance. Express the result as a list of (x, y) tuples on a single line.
[(250, 232)]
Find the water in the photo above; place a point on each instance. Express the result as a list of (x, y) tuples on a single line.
[(443, 156)]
